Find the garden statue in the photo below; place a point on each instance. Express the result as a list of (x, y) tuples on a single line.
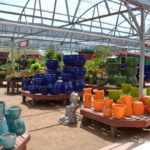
[(70, 114)]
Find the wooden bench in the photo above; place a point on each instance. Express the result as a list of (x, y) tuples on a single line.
[(21, 142), (13, 85), (134, 121), (36, 97)]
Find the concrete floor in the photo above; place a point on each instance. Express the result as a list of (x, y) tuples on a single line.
[(47, 134)]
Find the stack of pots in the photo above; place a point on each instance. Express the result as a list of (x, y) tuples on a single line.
[(87, 97), (74, 66), (107, 112), (131, 70), (15, 123)]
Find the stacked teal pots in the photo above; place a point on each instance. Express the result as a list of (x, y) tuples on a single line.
[(74, 66), (131, 70), (15, 123)]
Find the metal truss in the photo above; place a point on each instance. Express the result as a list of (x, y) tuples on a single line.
[(77, 24)]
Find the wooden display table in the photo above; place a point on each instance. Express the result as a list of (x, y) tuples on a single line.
[(21, 142), (36, 97), (134, 121), (14, 85), (2, 82)]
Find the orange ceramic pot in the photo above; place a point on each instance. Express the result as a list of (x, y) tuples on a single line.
[(133, 100), (126, 99), (120, 101), (99, 94), (87, 100), (129, 110), (108, 102), (107, 112), (119, 111), (98, 105), (138, 108), (87, 90), (96, 98)]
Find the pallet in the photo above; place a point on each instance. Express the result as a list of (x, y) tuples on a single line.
[(21, 142), (36, 97), (134, 121)]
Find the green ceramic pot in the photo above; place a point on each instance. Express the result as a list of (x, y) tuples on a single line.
[(111, 79), (114, 94), (148, 91), (125, 88), (120, 80), (131, 62), (134, 91)]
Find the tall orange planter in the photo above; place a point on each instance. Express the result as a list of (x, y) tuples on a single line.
[(98, 105), (107, 112), (87, 100), (99, 94), (120, 101), (119, 111), (126, 99), (138, 108), (108, 102), (87, 90), (129, 110)]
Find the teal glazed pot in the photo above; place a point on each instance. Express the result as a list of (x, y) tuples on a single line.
[(14, 112), (16, 126), (2, 109), (8, 140), (3, 126)]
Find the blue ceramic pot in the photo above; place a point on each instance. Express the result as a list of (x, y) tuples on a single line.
[(27, 81), (39, 75), (8, 140), (78, 85), (49, 88), (66, 77), (26, 88), (3, 126), (67, 87), (16, 126), (74, 60), (76, 73), (14, 112), (43, 90), (40, 81), (57, 88), (146, 68), (33, 89), (2, 109), (57, 73), (52, 64), (50, 78)]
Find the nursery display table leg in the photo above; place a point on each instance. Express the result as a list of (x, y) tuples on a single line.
[(36, 97), (130, 122)]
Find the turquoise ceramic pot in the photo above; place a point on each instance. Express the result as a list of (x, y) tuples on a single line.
[(2, 109), (8, 140), (3, 126), (14, 112), (16, 126)]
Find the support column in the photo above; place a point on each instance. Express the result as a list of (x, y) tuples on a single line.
[(12, 53), (142, 53)]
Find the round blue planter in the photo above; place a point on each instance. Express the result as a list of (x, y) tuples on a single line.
[(14, 112), (67, 87), (43, 90), (66, 77), (57, 88), (76, 73), (52, 64), (16, 126), (50, 78), (33, 89), (8, 140), (39, 75), (49, 88), (78, 85), (3, 126), (2, 109), (74, 60)]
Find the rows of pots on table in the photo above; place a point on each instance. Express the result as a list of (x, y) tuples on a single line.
[(11, 125), (55, 82)]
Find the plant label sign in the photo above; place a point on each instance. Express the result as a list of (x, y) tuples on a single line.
[(23, 44)]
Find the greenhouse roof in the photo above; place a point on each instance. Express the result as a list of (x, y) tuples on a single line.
[(73, 24)]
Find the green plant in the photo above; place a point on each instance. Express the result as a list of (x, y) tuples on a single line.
[(35, 67), (18, 60), (31, 61)]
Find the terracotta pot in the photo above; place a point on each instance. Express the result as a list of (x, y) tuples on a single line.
[(133, 100), (126, 99), (87, 100), (138, 108), (107, 112), (98, 105), (119, 111), (120, 101), (96, 98), (99, 94), (87, 90), (129, 110), (108, 102)]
